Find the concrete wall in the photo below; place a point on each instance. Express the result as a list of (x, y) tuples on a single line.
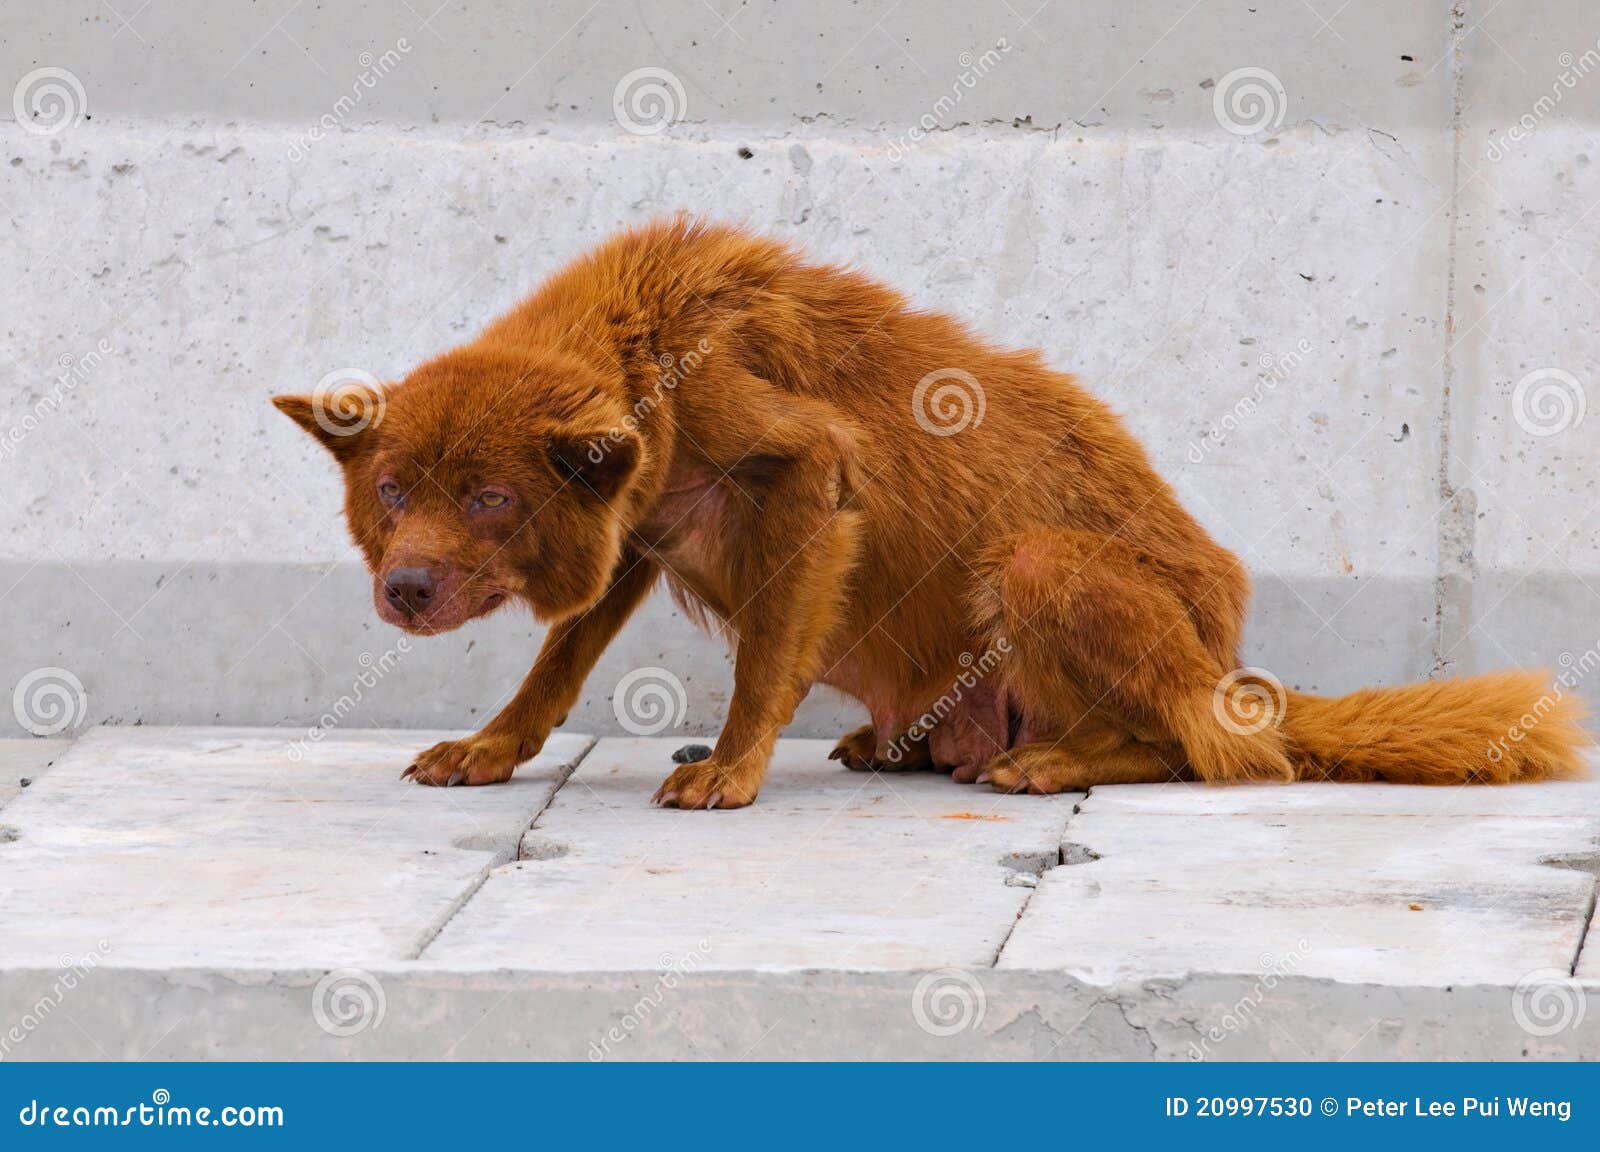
[(1316, 307)]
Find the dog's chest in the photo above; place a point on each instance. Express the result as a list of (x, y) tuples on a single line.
[(690, 527)]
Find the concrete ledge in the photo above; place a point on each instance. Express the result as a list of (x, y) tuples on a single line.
[(935, 1014), (202, 893)]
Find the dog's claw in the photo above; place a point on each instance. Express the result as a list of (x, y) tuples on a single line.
[(666, 798), (456, 777), (984, 777), (713, 800), (836, 754), (409, 772)]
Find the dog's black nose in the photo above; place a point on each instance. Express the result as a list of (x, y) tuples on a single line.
[(410, 589)]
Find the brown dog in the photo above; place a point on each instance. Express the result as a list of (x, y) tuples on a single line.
[(866, 496)]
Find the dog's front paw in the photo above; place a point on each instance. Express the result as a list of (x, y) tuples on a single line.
[(479, 759), (708, 784)]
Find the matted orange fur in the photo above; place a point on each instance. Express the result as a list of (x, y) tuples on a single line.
[(698, 403)]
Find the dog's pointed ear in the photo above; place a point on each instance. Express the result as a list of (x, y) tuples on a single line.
[(336, 418), (600, 462)]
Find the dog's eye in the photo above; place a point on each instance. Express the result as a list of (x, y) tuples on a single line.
[(390, 491), (492, 499)]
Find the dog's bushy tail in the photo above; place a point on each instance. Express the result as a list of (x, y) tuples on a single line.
[(1491, 729)]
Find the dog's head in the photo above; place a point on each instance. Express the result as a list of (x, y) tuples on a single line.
[(480, 478)]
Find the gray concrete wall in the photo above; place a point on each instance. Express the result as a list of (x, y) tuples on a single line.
[(1311, 261)]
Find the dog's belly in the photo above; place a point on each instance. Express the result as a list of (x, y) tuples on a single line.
[(967, 718)]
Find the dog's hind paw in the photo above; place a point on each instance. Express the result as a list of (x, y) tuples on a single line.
[(858, 750)]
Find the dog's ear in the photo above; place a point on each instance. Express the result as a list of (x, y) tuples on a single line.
[(601, 462), (336, 418)]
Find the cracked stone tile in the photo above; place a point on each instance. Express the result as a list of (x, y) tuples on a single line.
[(216, 846), (1360, 883), (828, 869)]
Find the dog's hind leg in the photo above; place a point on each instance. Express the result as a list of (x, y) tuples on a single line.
[(1052, 766), (1107, 667)]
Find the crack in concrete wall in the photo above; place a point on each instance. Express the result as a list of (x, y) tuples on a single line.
[(1457, 519)]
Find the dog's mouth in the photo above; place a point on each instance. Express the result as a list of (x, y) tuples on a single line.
[(451, 613)]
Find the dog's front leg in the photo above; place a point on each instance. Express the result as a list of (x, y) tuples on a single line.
[(569, 653), (794, 551)]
